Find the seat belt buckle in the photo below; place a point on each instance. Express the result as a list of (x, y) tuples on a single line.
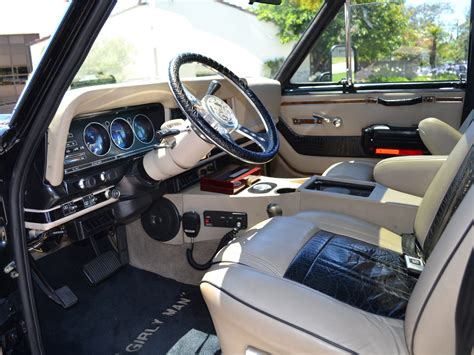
[(414, 265)]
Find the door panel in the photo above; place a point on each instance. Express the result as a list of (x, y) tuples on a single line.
[(311, 148)]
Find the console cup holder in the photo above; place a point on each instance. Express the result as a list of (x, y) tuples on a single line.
[(285, 190)]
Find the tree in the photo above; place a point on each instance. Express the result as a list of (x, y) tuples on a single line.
[(455, 48), (292, 17), (109, 56), (377, 29), (425, 19)]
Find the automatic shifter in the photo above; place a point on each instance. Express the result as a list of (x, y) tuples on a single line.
[(274, 210)]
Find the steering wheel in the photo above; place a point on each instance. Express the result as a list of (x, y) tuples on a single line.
[(215, 120)]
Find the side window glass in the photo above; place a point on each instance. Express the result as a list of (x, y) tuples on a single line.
[(412, 41), (326, 62), (392, 42)]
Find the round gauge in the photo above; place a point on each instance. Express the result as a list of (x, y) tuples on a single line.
[(97, 139), (122, 133), (143, 128)]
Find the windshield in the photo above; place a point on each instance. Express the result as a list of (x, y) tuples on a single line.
[(141, 37)]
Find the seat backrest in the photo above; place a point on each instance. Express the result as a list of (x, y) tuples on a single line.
[(467, 122), (430, 323), (430, 317), (444, 184)]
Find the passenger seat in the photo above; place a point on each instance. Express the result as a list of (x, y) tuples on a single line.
[(439, 137)]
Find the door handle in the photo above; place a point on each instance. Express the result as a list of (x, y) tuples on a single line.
[(334, 120), (318, 118)]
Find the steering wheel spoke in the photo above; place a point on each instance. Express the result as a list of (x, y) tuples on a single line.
[(260, 139), (193, 99)]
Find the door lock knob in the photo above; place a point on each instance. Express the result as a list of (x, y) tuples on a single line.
[(337, 122)]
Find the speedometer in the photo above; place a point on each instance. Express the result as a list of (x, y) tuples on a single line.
[(143, 128), (122, 133), (97, 139)]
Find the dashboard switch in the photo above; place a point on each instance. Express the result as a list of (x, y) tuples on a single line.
[(87, 183), (113, 193), (69, 208), (89, 201)]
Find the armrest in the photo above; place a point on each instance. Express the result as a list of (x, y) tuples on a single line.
[(439, 137), (411, 174)]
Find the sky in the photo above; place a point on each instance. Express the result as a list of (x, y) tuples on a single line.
[(29, 16), (460, 8)]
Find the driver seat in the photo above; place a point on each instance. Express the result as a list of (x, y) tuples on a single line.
[(321, 282)]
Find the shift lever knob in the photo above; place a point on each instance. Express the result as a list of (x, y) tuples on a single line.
[(274, 210)]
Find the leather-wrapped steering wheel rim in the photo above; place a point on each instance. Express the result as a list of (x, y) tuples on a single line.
[(204, 128)]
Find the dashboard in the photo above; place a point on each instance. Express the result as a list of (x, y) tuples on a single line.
[(89, 169), (101, 138)]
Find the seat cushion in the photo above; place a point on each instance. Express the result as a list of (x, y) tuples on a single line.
[(352, 170), (270, 246), (362, 275), (261, 292), (314, 249)]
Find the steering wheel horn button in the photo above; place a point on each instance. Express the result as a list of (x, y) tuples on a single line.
[(220, 112)]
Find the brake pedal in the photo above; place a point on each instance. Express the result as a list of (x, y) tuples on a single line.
[(102, 267), (66, 296), (63, 296)]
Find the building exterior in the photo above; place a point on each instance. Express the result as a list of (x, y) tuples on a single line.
[(15, 66)]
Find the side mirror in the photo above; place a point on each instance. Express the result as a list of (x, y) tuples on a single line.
[(338, 62)]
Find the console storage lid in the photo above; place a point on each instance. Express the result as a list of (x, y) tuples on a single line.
[(410, 174)]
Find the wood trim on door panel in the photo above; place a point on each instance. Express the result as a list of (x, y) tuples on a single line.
[(329, 146), (370, 100)]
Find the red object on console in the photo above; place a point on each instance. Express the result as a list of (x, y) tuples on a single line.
[(394, 151), (229, 181)]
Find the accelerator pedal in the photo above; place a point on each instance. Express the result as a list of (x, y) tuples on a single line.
[(102, 267)]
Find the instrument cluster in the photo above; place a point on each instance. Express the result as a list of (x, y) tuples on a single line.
[(96, 139)]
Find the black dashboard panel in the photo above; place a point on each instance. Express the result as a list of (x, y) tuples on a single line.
[(101, 138)]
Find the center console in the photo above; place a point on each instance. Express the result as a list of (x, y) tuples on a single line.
[(368, 201)]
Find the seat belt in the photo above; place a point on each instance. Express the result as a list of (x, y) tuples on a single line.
[(464, 317), (412, 253), (409, 245)]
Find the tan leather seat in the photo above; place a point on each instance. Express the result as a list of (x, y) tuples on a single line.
[(438, 137), (352, 170), (320, 282)]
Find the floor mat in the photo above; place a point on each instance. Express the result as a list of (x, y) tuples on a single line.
[(132, 311)]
